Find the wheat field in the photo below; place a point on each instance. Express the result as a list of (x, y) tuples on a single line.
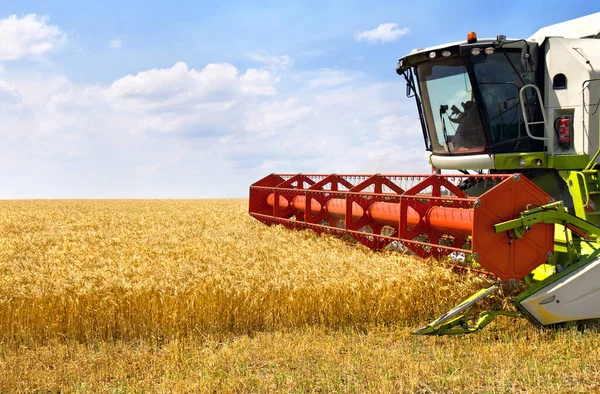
[(196, 296)]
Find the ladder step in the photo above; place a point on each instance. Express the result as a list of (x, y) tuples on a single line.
[(592, 213)]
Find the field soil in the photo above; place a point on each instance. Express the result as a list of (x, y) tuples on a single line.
[(196, 296)]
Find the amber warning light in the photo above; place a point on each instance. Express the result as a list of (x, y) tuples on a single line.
[(471, 38)]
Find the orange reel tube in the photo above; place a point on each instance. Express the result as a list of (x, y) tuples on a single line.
[(434, 218)]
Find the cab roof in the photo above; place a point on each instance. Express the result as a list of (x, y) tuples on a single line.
[(481, 42), (585, 27)]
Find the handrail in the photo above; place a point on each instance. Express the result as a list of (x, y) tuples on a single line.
[(527, 122), (585, 188), (590, 165)]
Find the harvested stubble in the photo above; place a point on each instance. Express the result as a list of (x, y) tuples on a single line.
[(106, 270)]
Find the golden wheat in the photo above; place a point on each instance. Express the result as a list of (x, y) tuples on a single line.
[(89, 270), (195, 296)]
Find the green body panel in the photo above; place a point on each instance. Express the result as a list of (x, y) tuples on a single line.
[(568, 162), (507, 161), (512, 161), (584, 187), (542, 272)]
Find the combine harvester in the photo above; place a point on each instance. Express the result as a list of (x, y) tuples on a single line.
[(518, 122)]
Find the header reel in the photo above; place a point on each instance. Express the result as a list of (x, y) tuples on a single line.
[(504, 222)]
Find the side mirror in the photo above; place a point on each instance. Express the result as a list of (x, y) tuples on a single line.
[(408, 90)]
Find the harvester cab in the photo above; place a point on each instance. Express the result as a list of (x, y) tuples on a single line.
[(510, 104), (518, 123)]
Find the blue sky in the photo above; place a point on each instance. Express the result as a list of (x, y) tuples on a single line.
[(199, 99)]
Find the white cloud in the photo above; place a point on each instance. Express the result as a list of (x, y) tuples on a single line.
[(181, 99), (394, 127), (192, 132), (115, 44), (258, 83), (385, 32), (9, 93), (271, 117), (28, 37), (281, 62), (181, 85), (312, 53), (11, 104), (331, 78), (148, 134)]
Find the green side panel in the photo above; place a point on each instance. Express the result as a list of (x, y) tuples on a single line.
[(575, 190), (542, 272), (516, 161), (584, 187), (566, 249), (560, 239), (568, 162)]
